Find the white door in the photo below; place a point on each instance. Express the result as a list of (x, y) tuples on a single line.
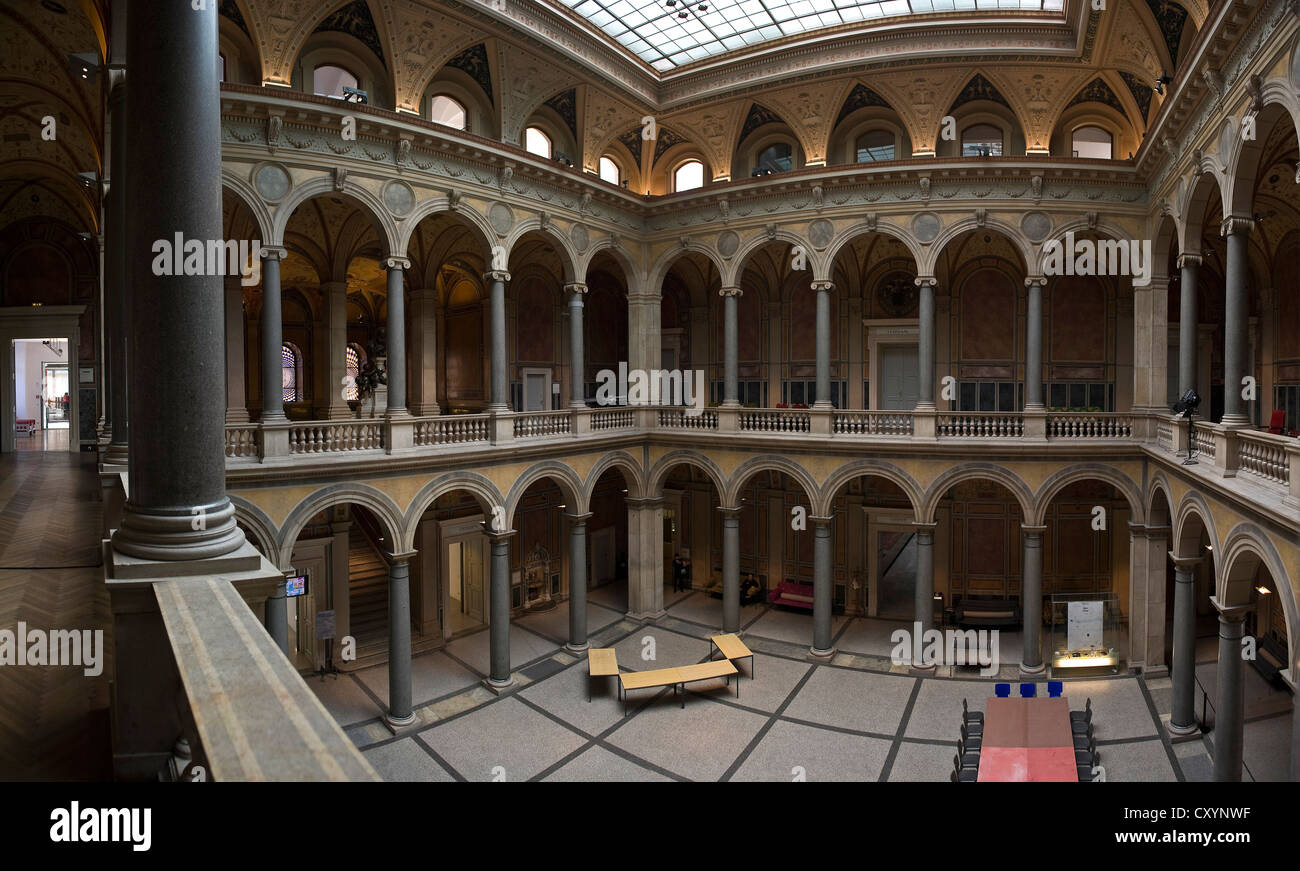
[(536, 393), (900, 377)]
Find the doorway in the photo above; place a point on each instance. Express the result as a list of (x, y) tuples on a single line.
[(537, 389), (900, 377), (464, 560), (42, 394), (29, 337)]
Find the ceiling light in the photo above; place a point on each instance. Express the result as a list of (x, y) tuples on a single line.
[(1263, 591), (84, 66)]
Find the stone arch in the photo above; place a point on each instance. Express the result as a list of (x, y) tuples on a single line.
[(1196, 197), (1164, 237), (765, 463), (1159, 486), (436, 205), (324, 185), (1244, 164), (483, 490), (858, 468), (1063, 478), (561, 474), (1194, 515), (736, 262), (1102, 226), (1023, 247), (655, 480), (568, 257), (627, 464), (659, 269), (1245, 549), (377, 501), (256, 521), (616, 252), (973, 471), (247, 195), (845, 238)]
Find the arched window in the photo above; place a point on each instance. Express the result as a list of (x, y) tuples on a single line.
[(352, 362), (444, 110), (689, 176), (609, 171), (981, 140), (329, 81), (778, 157), (537, 142), (289, 361), (1093, 142), (875, 145)]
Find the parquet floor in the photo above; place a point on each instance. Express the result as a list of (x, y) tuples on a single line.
[(54, 721)]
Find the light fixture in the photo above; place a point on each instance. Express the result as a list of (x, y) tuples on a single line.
[(1210, 547), (355, 95), (1263, 591), (1164, 79), (85, 66)]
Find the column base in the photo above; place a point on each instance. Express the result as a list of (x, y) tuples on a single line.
[(923, 670), (396, 724), (202, 533), (815, 653), (1032, 670), (645, 616), (1182, 734), (117, 455), (497, 687), (578, 648)]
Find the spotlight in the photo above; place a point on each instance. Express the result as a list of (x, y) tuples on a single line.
[(1161, 82), (355, 95), (1188, 403), (683, 15), (84, 66)]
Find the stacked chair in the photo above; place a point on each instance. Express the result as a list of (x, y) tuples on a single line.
[(967, 761), (1086, 757)]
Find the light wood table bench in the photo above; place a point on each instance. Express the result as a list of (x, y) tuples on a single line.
[(601, 662), (677, 678), (732, 648)]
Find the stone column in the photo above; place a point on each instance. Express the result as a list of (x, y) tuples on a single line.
[(276, 616), (730, 366), (925, 343), (1295, 722), (236, 398), (645, 558), (1230, 709), (822, 593), (422, 396), (1034, 346), (116, 267), (578, 581), (272, 336), (577, 362), (823, 290), (924, 618), (336, 319), (177, 508), (730, 569), (500, 394), (1189, 264), (499, 676), (1031, 596), (396, 337), (399, 641), (1236, 322), (1182, 720)]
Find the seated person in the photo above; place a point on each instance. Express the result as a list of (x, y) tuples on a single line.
[(750, 591)]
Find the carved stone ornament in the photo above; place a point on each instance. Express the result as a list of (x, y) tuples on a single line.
[(274, 125), (728, 243), (340, 178)]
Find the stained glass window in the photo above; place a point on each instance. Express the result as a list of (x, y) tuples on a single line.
[(353, 369), (289, 373)]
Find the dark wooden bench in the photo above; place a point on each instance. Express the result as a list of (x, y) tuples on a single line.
[(987, 612)]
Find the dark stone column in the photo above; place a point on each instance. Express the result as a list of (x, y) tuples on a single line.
[(396, 337), (1182, 720), (1236, 321), (730, 569), (499, 610), (578, 581), (823, 290), (276, 617), (177, 508), (822, 593), (1187, 322), (730, 352), (1230, 709), (117, 288), (577, 363), (925, 344), (1034, 347), (500, 394), (399, 641), (272, 336), (1031, 661)]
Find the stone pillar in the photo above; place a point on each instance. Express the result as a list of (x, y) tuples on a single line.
[(577, 362), (1034, 346), (118, 288), (1295, 722), (272, 336), (1182, 720), (730, 366), (177, 507), (236, 397), (645, 558), (340, 600), (422, 393), (336, 321), (730, 569), (499, 676), (500, 394), (1236, 322), (822, 593), (396, 337), (823, 290), (1230, 709), (1031, 595), (1188, 317), (924, 607), (925, 343), (1148, 554), (276, 616), (577, 581), (399, 641)]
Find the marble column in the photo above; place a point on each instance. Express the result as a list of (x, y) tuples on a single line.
[(1230, 708), (499, 675), (730, 569), (177, 508), (1031, 599), (336, 320), (500, 394), (276, 617), (1188, 316), (925, 343), (822, 593), (577, 362), (1034, 346), (1182, 720), (730, 351), (116, 267), (236, 398), (399, 640), (422, 347), (924, 604), (396, 337), (272, 336), (823, 290), (1236, 320), (577, 581)]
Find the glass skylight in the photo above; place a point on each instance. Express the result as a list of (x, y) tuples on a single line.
[(656, 32)]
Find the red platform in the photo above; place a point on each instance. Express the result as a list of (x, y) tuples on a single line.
[(1027, 740)]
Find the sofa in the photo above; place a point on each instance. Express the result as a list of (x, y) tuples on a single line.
[(792, 595), (986, 612)]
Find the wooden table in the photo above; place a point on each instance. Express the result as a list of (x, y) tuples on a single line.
[(677, 678), (732, 647), (601, 662), (1027, 740)]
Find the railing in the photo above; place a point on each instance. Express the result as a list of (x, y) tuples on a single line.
[(886, 423), (454, 429), (542, 423), (1203, 435), (980, 425), (1165, 434), (679, 418), (612, 418), (1264, 455), (241, 440), (1089, 426), (775, 421), (336, 435)]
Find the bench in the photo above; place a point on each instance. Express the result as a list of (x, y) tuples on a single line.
[(792, 595), (601, 662), (677, 678), (731, 647), (987, 612)]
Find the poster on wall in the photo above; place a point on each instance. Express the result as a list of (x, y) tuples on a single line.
[(1084, 625)]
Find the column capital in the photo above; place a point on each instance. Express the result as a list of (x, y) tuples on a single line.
[(1032, 280), (1191, 258), (1184, 562), (394, 262), (578, 518), (925, 525), (821, 522), (644, 502), (822, 285), (575, 287), (496, 275), (926, 281), (1032, 531), (732, 290), (729, 511), (1234, 224), (1230, 613), (273, 252), (400, 557), (496, 535)]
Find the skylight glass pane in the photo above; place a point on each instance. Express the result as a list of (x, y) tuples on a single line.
[(895, 7)]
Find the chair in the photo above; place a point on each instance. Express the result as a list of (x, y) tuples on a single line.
[(972, 729), (1054, 689), (970, 716), (1028, 690), (964, 775), (1081, 727), (1084, 757), (1277, 421), (1084, 742), (966, 760), (969, 745), (1085, 773), (1002, 690), (1085, 714)]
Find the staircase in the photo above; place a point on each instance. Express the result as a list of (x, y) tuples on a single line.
[(367, 589)]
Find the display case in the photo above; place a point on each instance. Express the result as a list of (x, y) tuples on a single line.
[(1086, 636)]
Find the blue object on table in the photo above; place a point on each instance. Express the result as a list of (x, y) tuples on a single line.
[(1002, 690), (1054, 688), (1028, 690)]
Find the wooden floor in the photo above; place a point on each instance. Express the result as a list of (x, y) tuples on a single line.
[(53, 720)]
